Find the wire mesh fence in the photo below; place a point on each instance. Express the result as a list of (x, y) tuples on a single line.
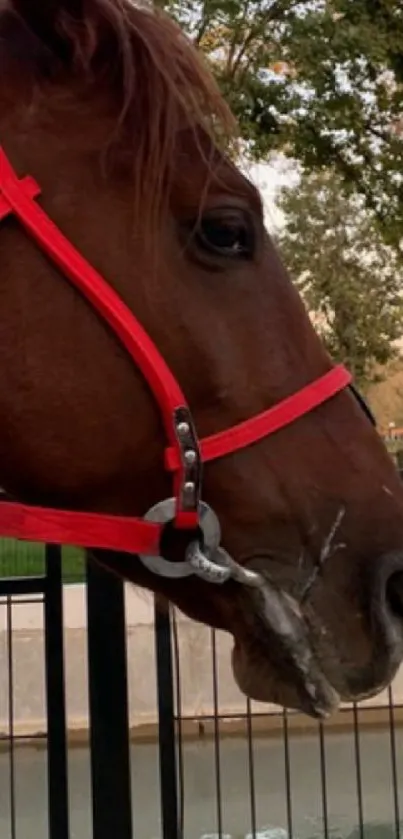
[(20, 780), (206, 767), (275, 776)]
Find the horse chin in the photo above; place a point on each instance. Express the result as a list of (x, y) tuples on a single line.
[(257, 681), (280, 657), (274, 660)]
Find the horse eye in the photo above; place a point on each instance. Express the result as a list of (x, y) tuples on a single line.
[(227, 233)]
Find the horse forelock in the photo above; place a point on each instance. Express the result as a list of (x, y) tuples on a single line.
[(159, 83)]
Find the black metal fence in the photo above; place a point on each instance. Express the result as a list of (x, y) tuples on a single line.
[(231, 780)]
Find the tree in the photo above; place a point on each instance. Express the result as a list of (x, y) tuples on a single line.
[(351, 281), (321, 80)]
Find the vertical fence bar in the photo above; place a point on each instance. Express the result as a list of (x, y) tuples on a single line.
[(178, 724), (217, 742), (252, 785), (108, 699), (55, 696), (393, 758), (323, 777), (287, 769), (13, 827), (166, 717), (357, 755)]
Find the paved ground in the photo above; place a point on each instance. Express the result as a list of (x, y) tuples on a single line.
[(200, 808)]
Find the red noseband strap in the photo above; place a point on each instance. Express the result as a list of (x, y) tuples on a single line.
[(184, 454), (252, 430)]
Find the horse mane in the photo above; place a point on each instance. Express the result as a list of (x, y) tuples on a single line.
[(161, 84)]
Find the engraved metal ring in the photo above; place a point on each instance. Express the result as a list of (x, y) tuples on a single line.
[(206, 567)]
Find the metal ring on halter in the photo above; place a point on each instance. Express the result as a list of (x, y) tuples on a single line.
[(211, 563), (218, 567), (204, 567), (164, 512), (241, 575)]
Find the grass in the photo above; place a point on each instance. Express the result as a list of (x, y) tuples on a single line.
[(27, 559)]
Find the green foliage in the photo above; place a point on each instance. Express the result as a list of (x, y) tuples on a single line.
[(321, 80), (350, 280), (27, 559)]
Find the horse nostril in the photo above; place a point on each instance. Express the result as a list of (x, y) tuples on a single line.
[(394, 593), (386, 592)]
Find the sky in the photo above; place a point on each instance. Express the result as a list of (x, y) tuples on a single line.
[(269, 178)]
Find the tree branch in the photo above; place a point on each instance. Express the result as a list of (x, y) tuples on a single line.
[(204, 23), (275, 12)]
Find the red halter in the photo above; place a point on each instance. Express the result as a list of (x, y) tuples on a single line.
[(184, 455)]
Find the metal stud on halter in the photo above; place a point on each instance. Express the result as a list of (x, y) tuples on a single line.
[(189, 489)]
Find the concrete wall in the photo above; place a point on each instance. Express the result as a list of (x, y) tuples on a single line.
[(196, 670)]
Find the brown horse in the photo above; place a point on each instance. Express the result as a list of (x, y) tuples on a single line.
[(114, 114)]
